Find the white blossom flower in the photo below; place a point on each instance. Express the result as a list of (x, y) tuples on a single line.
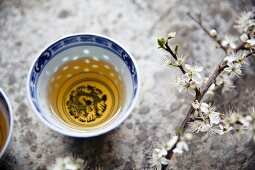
[(241, 59), (196, 126), (226, 129), (180, 147), (210, 129), (181, 59), (224, 81), (245, 21), (213, 32), (158, 160), (234, 69), (67, 163), (168, 146), (240, 130), (244, 37), (231, 58), (251, 41), (235, 58), (230, 118), (194, 71), (242, 119), (229, 41), (214, 117), (184, 83)]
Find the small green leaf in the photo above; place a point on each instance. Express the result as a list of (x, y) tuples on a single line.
[(176, 49), (199, 17), (179, 132), (161, 42)]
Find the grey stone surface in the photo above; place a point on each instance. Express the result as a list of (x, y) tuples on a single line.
[(28, 26)]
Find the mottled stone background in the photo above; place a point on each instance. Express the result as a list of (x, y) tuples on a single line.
[(27, 26)]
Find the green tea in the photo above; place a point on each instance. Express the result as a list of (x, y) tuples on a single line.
[(86, 93)]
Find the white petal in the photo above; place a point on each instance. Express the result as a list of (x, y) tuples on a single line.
[(71, 167), (178, 150), (185, 146), (164, 161), (158, 166), (162, 152), (67, 160), (155, 155), (233, 45), (251, 41), (157, 150), (204, 107), (79, 160), (198, 68), (188, 66), (172, 142), (214, 118), (245, 122), (205, 128), (238, 71), (228, 69), (221, 127)]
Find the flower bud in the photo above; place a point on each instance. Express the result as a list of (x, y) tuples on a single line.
[(171, 35), (244, 37), (224, 43), (196, 104), (249, 118), (188, 136), (213, 32)]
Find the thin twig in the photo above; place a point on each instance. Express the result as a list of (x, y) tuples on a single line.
[(218, 41)]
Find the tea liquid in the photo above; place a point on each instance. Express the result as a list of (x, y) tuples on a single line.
[(3, 130), (86, 93)]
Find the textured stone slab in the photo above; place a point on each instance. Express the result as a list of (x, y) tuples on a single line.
[(28, 26)]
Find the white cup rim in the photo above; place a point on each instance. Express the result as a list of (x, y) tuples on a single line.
[(10, 128), (93, 133)]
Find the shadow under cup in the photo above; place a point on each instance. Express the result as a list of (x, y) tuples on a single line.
[(93, 50)]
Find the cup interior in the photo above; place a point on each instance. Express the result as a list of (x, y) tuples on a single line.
[(5, 109), (82, 46)]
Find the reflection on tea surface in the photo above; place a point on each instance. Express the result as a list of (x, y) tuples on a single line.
[(85, 93)]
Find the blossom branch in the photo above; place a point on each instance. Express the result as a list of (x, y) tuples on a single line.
[(203, 117), (191, 111), (168, 49), (199, 22)]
